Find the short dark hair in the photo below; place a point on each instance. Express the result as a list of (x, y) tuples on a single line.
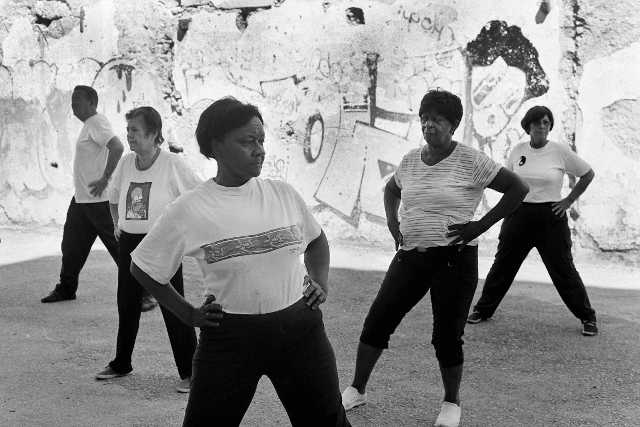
[(534, 114), (89, 93), (220, 118), (151, 119), (444, 103)]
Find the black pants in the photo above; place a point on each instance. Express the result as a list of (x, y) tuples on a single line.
[(289, 346), (181, 336), (452, 277), (534, 225), (85, 222)]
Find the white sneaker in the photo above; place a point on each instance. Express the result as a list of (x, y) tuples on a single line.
[(449, 415), (351, 398)]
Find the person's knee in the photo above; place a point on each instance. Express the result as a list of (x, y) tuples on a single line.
[(449, 352), (375, 337)]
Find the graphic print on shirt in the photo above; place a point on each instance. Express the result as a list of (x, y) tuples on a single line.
[(253, 244), (138, 201)]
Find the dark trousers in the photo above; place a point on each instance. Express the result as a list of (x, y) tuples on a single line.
[(85, 222), (534, 225), (181, 336), (289, 346), (452, 277)]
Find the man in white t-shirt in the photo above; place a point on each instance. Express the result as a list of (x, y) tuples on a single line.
[(98, 150)]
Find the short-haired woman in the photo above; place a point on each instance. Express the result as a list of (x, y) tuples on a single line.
[(540, 222), (145, 181), (440, 186), (261, 315)]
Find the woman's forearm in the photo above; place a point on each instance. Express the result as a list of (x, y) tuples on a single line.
[(514, 190), (165, 294), (113, 207), (581, 185), (317, 258), (391, 205)]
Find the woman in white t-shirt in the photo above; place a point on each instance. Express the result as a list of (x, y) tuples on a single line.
[(261, 315), (540, 222), (440, 186), (144, 182)]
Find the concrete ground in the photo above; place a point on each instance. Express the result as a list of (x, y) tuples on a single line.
[(528, 366)]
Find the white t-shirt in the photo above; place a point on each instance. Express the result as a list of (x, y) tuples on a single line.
[(435, 197), (544, 169), (247, 241), (142, 195), (91, 157)]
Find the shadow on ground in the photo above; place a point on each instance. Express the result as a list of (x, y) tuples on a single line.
[(529, 366)]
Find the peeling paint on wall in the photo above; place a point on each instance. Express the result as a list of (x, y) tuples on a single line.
[(339, 84)]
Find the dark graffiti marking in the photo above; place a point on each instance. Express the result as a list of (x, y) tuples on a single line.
[(496, 39)]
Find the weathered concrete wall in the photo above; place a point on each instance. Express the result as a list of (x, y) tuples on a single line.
[(339, 83)]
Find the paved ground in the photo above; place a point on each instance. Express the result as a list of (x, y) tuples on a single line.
[(529, 366)]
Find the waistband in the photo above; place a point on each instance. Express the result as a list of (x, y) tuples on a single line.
[(301, 304)]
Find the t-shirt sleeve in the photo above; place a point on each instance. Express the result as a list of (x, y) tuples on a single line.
[(484, 170), (101, 131), (184, 178), (310, 227), (161, 251), (574, 164), (116, 184)]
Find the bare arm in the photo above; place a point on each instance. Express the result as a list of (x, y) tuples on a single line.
[(113, 207), (166, 295), (392, 198), (561, 207), (514, 190), (116, 149), (316, 259)]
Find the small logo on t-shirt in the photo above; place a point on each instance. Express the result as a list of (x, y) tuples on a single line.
[(522, 161), (138, 201)]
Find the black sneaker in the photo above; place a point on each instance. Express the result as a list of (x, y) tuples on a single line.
[(57, 296), (589, 328), (476, 317)]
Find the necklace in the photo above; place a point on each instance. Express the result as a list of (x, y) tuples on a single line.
[(140, 168)]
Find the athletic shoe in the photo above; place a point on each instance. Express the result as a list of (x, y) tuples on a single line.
[(476, 317), (57, 296), (589, 328), (108, 373), (351, 398), (449, 415), (148, 302), (184, 386)]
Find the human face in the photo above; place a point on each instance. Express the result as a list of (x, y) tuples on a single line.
[(140, 142), (81, 106), (539, 130), (240, 154), (436, 129)]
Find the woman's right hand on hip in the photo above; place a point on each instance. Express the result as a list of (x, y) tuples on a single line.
[(207, 315)]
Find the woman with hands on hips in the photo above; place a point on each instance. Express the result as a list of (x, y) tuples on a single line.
[(440, 186), (144, 182), (262, 315), (540, 222)]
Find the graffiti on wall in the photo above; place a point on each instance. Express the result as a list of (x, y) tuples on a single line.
[(38, 129), (341, 110)]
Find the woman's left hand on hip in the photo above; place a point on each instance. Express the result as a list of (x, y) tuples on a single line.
[(313, 292), (561, 207), (464, 233)]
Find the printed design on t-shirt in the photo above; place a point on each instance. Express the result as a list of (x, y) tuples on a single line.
[(138, 201), (522, 161), (252, 245)]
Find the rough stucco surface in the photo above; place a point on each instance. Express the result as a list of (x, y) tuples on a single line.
[(338, 82)]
